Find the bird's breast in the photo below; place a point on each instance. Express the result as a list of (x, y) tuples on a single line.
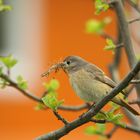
[(86, 87)]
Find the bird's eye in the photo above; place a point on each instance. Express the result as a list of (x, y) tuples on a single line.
[(68, 62)]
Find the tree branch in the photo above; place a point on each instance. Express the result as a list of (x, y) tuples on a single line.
[(93, 111), (134, 102), (135, 6), (113, 68), (15, 85), (37, 99), (60, 118), (113, 130), (135, 81), (134, 20), (118, 6)]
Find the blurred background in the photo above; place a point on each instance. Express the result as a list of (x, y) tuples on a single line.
[(39, 33)]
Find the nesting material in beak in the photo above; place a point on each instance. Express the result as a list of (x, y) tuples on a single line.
[(54, 67)]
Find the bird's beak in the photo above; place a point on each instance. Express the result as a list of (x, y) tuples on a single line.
[(55, 68)]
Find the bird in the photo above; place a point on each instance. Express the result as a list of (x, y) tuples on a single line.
[(90, 83)]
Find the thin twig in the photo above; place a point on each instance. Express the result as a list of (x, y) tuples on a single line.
[(116, 126), (118, 6), (113, 130), (113, 68), (98, 121), (60, 117), (134, 5), (134, 102), (105, 36), (37, 99), (15, 85), (135, 81), (119, 45), (134, 20), (94, 110)]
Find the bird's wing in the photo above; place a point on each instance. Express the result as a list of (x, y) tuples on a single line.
[(98, 74)]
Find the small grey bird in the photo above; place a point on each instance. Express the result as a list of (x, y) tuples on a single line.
[(90, 83)]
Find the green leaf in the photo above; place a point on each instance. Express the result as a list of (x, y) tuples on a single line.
[(101, 127), (4, 7), (40, 106), (100, 6), (110, 45), (22, 83), (52, 85), (138, 56), (97, 26), (51, 100), (135, 1), (115, 118), (8, 61), (100, 116), (111, 116), (90, 130), (1, 70), (94, 26), (3, 83), (97, 129)]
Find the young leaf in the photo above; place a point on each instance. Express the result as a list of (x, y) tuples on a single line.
[(110, 45), (90, 130), (100, 116), (115, 118), (98, 129), (52, 85), (4, 7), (94, 26), (1, 70), (138, 56), (135, 1), (40, 106), (3, 83), (97, 26), (100, 6), (8, 61), (51, 100), (22, 83)]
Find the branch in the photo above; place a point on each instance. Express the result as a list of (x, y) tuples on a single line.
[(118, 6), (134, 20), (135, 6), (105, 36), (135, 81), (119, 45), (94, 109), (125, 32), (98, 121), (134, 102), (15, 85), (110, 134), (128, 127), (113, 68), (37, 99), (60, 117)]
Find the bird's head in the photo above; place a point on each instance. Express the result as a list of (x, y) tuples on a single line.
[(73, 63)]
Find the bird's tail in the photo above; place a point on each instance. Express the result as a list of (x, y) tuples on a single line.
[(127, 106)]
